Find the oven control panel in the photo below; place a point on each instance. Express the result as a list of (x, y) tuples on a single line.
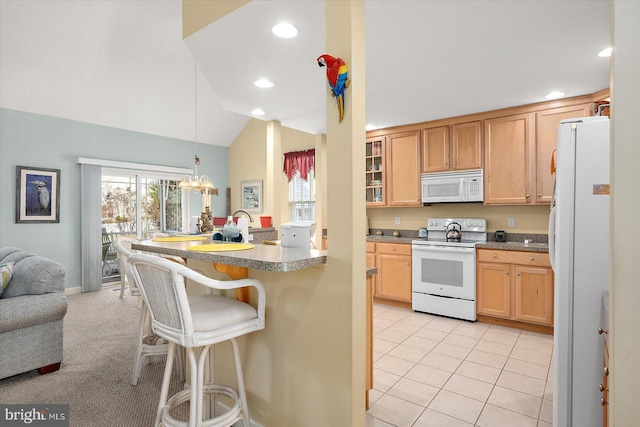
[(466, 224)]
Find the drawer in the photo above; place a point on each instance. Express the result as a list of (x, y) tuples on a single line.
[(394, 248), (371, 247), (539, 259)]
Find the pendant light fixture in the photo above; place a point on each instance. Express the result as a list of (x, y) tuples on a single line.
[(196, 183)]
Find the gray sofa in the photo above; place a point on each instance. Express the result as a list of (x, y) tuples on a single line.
[(32, 309)]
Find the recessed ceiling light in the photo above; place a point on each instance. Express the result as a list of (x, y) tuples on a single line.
[(555, 95), (285, 30), (605, 53), (370, 127), (258, 112), (264, 83)]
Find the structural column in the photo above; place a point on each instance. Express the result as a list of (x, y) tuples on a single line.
[(346, 212)]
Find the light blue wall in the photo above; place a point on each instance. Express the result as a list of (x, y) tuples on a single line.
[(42, 141)]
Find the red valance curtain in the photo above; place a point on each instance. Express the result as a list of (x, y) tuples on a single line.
[(303, 161)]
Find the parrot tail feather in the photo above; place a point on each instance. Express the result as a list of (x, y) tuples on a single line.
[(340, 99)]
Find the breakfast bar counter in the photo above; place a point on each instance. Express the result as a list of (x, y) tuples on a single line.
[(260, 257), (304, 361)]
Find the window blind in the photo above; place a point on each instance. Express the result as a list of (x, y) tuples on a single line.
[(302, 197)]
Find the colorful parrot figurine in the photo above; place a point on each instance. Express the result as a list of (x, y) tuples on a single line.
[(337, 77)]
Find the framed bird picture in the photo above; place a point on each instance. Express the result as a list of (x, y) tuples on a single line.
[(37, 195)]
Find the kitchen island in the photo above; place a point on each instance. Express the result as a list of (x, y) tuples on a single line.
[(293, 372)]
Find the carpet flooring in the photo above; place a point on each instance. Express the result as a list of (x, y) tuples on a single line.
[(100, 332)]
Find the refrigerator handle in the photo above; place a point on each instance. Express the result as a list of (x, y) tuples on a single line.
[(552, 237)]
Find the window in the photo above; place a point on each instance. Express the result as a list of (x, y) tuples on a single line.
[(299, 166), (302, 198), (153, 202)]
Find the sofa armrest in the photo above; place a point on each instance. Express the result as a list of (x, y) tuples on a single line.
[(30, 310)]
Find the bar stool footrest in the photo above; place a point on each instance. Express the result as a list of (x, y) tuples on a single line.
[(229, 418)]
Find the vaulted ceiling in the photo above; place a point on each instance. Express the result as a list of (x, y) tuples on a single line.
[(124, 64)]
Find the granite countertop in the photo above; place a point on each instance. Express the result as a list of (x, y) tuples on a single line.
[(261, 257), (390, 239), (515, 246)]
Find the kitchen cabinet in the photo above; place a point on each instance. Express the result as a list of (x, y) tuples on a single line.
[(403, 166), (515, 285), (604, 387), (547, 122), (393, 281), (375, 179), (450, 148), (509, 160), (371, 259)]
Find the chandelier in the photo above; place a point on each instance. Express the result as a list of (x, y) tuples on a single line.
[(196, 183), (201, 184)]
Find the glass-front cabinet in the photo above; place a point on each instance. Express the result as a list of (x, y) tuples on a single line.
[(375, 173)]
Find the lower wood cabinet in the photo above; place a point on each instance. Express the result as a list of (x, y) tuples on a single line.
[(604, 387), (393, 280), (515, 285)]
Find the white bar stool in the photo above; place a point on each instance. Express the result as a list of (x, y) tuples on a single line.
[(197, 322), (148, 344)]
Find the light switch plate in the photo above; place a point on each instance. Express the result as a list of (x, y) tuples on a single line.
[(512, 222), (397, 220)]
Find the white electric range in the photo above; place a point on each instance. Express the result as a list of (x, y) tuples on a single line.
[(444, 270)]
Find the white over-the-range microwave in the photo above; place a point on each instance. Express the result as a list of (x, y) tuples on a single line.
[(453, 187)]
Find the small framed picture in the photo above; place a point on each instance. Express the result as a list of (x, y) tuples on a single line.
[(37, 195), (251, 194)]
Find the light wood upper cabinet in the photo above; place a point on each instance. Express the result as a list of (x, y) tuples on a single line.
[(435, 149), (466, 140), (546, 137), (509, 160), (376, 171), (403, 164), (456, 147)]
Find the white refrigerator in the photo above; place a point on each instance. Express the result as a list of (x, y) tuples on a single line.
[(579, 252)]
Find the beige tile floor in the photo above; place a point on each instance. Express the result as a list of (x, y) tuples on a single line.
[(432, 371)]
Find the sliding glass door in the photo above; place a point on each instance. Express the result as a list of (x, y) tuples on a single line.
[(142, 204)]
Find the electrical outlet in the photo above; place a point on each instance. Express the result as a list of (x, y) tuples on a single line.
[(512, 222), (397, 220)]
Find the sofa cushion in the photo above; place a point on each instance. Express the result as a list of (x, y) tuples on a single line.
[(6, 271)]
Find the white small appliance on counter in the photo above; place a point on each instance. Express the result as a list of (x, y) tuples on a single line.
[(297, 234), (453, 187), (443, 269)]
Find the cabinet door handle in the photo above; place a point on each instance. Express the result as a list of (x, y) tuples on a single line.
[(602, 388), (506, 272), (495, 256), (606, 371), (539, 194), (602, 331), (393, 249), (531, 259), (603, 401), (407, 262), (518, 274), (527, 195)]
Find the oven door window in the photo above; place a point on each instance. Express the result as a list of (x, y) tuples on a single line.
[(442, 272)]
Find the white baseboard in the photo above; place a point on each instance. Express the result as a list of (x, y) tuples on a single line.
[(74, 290)]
